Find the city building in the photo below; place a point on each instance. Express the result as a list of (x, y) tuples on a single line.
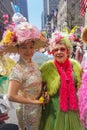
[(69, 14), (49, 7), (23, 8), (6, 13), (8, 8), (61, 14)]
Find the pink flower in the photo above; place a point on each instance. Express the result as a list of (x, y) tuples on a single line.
[(26, 31), (72, 37), (82, 100), (56, 37)]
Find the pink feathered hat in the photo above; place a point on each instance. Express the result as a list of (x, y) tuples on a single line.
[(20, 31)]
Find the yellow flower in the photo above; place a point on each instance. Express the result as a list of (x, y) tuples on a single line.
[(42, 37), (8, 37), (41, 99)]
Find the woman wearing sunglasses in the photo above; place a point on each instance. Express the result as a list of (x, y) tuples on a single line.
[(62, 76)]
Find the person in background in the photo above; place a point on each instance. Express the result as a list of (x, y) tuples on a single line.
[(62, 76), (25, 81), (39, 57), (82, 92), (6, 64), (74, 50), (79, 52)]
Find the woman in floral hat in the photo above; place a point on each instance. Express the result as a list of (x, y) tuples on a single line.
[(25, 82), (62, 76)]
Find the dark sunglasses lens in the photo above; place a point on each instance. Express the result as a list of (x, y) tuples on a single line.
[(62, 49)]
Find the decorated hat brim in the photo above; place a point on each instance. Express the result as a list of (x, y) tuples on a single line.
[(13, 49)]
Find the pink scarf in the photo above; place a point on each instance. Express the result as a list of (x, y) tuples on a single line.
[(68, 99)]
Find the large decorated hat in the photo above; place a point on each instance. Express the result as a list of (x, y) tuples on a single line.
[(19, 32), (61, 37)]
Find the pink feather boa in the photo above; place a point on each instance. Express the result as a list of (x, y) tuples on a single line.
[(68, 99), (82, 99)]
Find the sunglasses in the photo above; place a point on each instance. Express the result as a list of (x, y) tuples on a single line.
[(62, 49)]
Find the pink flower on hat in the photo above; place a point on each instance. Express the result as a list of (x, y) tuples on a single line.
[(56, 37), (25, 31), (72, 37)]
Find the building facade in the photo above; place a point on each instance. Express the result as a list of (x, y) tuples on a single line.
[(8, 8), (6, 13), (49, 6), (23, 8), (69, 14)]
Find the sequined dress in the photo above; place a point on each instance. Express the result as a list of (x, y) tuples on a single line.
[(30, 77)]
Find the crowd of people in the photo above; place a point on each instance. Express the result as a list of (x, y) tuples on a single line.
[(49, 88)]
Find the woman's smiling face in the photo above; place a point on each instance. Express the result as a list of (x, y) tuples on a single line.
[(26, 50), (60, 52)]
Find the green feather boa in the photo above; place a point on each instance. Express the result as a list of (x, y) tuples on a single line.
[(52, 78)]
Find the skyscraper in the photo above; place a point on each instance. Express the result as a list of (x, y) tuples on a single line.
[(22, 4), (6, 13), (49, 6)]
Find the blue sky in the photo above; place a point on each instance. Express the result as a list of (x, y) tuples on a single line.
[(35, 8)]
